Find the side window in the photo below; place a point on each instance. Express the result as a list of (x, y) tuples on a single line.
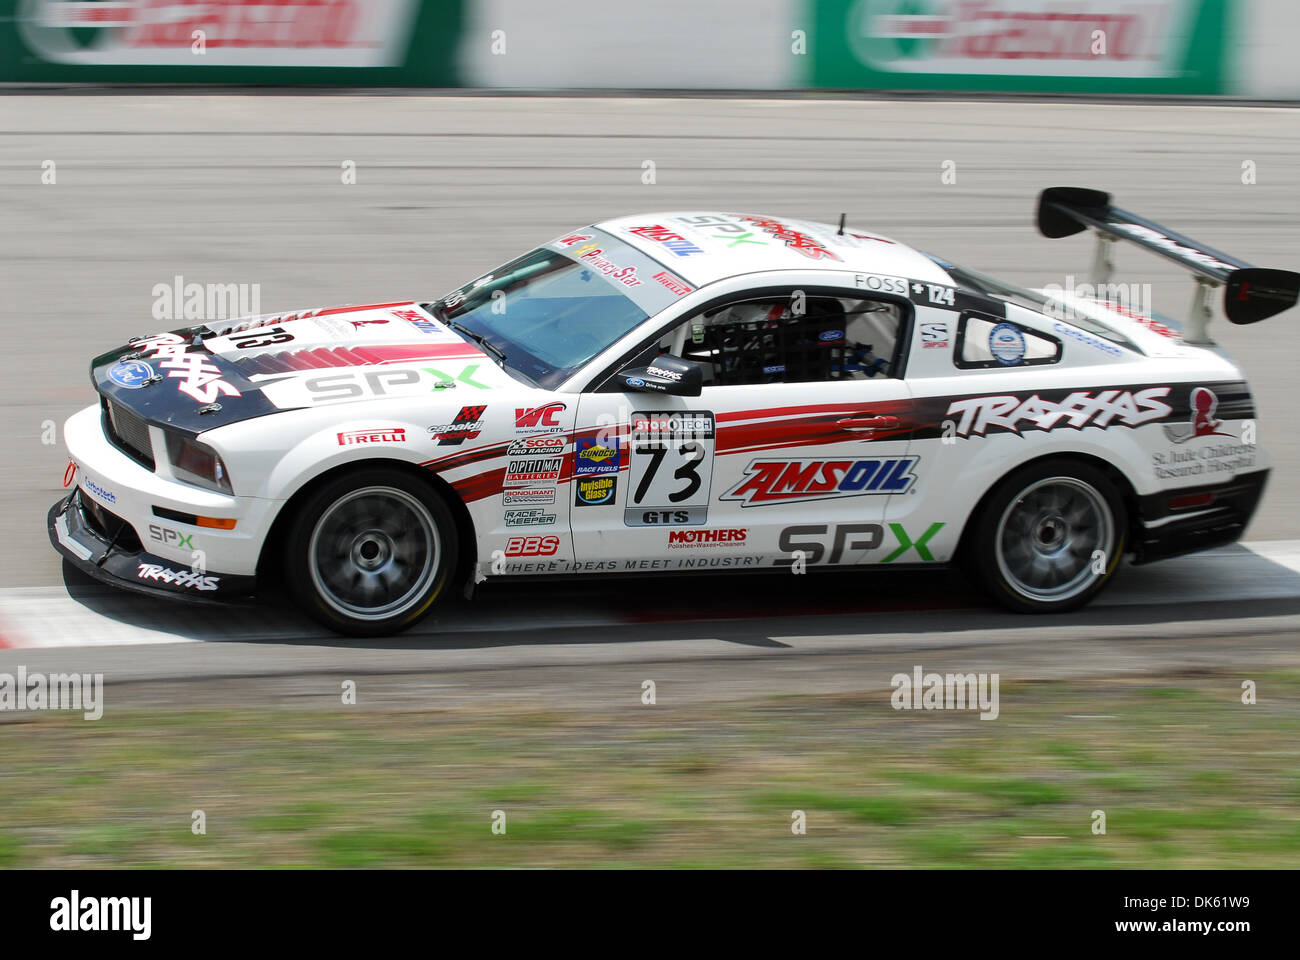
[(984, 342), (795, 338)]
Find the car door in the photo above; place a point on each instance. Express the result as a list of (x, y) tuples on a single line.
[(796, 442)]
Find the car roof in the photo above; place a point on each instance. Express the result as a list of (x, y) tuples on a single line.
[(703, 246)]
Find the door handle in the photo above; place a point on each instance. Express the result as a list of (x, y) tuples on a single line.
[(867, 423)]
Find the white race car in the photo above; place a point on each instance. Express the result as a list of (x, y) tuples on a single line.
[(677, 392)]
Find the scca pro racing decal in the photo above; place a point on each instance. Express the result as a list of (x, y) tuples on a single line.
[(670, 468), (783, 481)]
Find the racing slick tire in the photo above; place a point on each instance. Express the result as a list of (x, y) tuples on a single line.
[(370, 552), (1048, 537)]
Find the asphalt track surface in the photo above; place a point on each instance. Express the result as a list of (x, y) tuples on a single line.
[(221, 189)]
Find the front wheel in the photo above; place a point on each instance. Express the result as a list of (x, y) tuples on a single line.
[(370, 552), (1048, 538)]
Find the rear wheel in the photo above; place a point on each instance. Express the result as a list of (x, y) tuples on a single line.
[(1048, 538), (370, 552)]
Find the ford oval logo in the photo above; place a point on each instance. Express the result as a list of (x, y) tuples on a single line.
[(131, 374), (826, 336), (635, 382)]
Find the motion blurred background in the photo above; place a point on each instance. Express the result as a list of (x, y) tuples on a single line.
[(146, 140)]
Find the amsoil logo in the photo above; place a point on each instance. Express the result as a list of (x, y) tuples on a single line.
[(782, 481), (732, 537), (532, 546), (544, 419), (393, 435), (675, 242), (467, 425)]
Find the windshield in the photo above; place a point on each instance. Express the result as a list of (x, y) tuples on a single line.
[(549, 312)]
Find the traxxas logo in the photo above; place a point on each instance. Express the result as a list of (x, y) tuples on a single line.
[(1078, 410), (781, 481)]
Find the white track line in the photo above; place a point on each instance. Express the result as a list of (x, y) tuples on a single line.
[(49, 617)]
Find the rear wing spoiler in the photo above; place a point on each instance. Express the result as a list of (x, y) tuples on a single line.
[(1251, 293)]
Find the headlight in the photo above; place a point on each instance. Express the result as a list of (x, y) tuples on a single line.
[(197, 463)]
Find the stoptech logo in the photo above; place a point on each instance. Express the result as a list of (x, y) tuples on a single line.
[(545, 419), (532, 546), (782, 481), (1081, 409)]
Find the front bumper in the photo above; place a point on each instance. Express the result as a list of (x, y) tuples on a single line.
[(1166, 532), (104, 546)]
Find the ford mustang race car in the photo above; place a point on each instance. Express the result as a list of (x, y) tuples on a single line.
[(673, 393)]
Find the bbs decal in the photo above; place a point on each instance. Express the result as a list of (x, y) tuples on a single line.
[(670, 468)]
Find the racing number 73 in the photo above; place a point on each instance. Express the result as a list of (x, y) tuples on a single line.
[(670, 490), (687, 471)]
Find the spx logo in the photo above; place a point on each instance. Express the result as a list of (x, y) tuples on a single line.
[(783, 481), (850, 537)]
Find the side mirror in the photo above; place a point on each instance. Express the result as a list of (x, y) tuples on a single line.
[(665, 374)]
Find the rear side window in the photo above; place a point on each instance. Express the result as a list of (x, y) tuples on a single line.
[(990, 343)]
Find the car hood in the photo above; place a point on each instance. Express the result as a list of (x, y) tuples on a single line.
[(200, 378)]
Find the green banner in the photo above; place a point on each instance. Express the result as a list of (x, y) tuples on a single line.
[(313, 42), (1014, 46)]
